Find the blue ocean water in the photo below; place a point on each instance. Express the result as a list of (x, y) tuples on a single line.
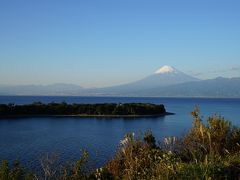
[(27, 139)]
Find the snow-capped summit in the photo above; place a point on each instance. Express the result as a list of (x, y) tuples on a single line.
[(166, 69)]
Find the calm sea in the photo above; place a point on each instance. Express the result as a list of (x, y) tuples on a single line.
[(28, 139)]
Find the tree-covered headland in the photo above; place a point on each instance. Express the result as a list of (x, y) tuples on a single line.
[(106, 109)]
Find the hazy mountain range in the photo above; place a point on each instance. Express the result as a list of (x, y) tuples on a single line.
[(165, 82)]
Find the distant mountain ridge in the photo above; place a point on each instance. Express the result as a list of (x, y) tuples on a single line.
[(215, 88), (52, 89), (165, 82)]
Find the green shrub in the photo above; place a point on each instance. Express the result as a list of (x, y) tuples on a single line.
[(17, 172), (4, 170)]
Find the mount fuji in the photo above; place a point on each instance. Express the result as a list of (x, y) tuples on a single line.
[(163, 77)]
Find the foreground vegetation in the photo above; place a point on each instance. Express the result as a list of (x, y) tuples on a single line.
[(208, 151), (128, 109)]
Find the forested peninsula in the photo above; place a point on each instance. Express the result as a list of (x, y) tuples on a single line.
[(82, 110)]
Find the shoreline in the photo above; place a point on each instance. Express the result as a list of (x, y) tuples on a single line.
[(87, 116), (119, 96)]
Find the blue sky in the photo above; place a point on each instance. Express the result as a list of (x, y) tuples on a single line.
[(108, 42)]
